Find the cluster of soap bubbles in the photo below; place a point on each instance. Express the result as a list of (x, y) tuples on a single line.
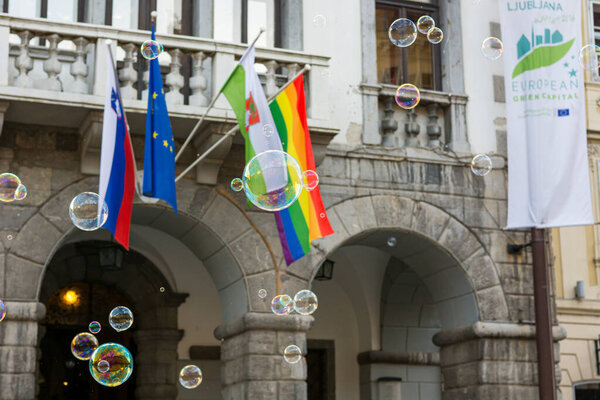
[(481, 164), (151, 49), (273, 180), (304, 302), (11, 188), (85, 212), (492, 48), (403, 32)]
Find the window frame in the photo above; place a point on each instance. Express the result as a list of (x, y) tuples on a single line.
[(81, 7), (592, 33), (276, 27), (431, 9)]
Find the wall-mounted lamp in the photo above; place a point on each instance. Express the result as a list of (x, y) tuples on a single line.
[(580, 290), (325, 272)]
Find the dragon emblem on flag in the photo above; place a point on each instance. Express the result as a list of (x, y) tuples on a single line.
[(252, 116)]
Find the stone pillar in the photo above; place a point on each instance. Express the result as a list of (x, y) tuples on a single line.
[(370, 89), (252, 360), (156, 363), (291, 25), (491, 361), (18, 349)]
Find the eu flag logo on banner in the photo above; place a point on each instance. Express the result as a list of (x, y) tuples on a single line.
[(159, 152), (563, 112)]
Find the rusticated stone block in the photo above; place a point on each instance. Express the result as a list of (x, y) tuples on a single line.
[(36, 231), (481, 270), (17, 386), (492, 304), (17, 360), (23, 276)]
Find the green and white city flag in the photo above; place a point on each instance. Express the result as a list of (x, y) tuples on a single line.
[(548, 178), (247, 98)]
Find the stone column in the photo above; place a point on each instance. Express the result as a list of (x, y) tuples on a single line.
[(252, 360), (369, 87), (156, 363), (291, 25), (18, 349), (491, 361)]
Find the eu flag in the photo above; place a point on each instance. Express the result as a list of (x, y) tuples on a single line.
[(159, 152)]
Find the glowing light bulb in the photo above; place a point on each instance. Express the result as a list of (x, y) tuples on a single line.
[(70, 297)]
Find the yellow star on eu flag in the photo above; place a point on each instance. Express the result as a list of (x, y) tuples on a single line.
[(154, 135), (165, 143), (154, 95), (171, 148)]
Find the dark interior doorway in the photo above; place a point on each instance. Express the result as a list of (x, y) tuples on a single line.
[(320, 362), (587, 391), (69, 312)]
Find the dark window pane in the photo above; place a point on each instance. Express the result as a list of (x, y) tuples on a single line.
[(596, 14), (389, 57)]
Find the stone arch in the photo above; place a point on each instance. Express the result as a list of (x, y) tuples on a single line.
[(351, 219), (208, 224)]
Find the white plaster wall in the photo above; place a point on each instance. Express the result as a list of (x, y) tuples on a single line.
[(478, 72), (339, 38), (200, 314)]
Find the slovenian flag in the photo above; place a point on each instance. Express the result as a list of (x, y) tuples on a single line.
[(117, 169)]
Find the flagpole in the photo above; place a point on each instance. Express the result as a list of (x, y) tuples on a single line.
[(233, 130), (210, 106)]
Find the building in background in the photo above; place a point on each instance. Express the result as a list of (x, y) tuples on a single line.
[(418, 297)]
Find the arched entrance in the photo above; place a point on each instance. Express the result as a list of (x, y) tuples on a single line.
[(82, 283)]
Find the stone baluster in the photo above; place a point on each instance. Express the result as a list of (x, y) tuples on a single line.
[(174, 78), (198, 82), (52, 65), (23, 61), (412, 129), (434, 131), (271, 85), (146, 80), (293, 69), (389, 125), (128, 74), (79, 68)]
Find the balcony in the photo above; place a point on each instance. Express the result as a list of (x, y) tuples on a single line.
[(54, 74)]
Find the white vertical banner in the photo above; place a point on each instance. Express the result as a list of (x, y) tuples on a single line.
[(548, 176)]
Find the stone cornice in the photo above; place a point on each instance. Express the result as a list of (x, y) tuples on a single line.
[(264, 321), (399, 357), (578, 307), (493, 330)]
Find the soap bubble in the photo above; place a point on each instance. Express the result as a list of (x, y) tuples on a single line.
[(310, 180), (151, 49), (190, 377), (492, 48), (285, 175), (9, 184), (588, 57), (305, 302), (3, 310), (481, 165), (319, 21), (402, 32), (292, 354), (435, 35), (21, 192), (268, 130), (103, 366), (83, 211), (391, 241), (94, 327), (83, 345), (162, 289), (237, 184), (120, 364), (425, 24), (282, 304), (120, 318), (408, 96), (262, 293)]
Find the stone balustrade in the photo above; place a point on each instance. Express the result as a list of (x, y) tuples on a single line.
[(71, 58), (431, 124)]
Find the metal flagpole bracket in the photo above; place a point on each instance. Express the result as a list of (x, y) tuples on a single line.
[(516, 249)]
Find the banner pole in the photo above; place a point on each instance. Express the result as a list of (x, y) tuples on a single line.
[(543, 317), (210, 106)]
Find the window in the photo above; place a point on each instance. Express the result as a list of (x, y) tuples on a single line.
[(257, 14), (587, 391), (417, 64), (56, 10)]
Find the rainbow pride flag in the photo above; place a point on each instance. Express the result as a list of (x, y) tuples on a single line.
[(306, 219)]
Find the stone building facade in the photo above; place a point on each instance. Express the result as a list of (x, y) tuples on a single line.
[(442, 313)]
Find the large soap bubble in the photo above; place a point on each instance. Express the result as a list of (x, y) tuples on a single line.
[(481, 164), (190, 377), (94, 327), (83, 211), (305, 302), (402, 32), (119, 368), (83, 345), (435, 35), (588, 57), (9, 183), (425, 24), (292, 354), (492, 48), (408, 96), (151, 49), (272, 180), (120, 318)]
